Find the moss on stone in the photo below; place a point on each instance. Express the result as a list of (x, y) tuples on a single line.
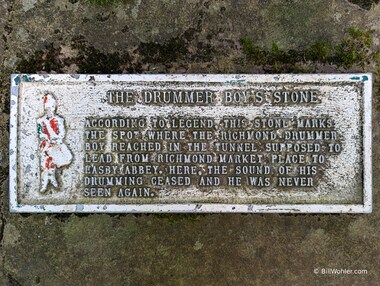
[(320, 51), (253, 52), (174, 218), (354, 49), (107, 2), (91, 60)]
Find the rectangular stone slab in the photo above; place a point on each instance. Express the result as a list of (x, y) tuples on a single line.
[(191, 143)]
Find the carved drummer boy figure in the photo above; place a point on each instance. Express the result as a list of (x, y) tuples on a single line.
[(53, 153)]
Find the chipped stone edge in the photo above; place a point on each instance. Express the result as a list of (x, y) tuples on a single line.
[(366, 207)]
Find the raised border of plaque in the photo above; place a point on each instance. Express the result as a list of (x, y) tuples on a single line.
[(21, 183)]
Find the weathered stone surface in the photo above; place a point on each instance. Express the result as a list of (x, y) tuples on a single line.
[(187, 249), (3, 18)]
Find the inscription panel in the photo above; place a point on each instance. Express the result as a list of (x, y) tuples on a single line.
[(190, 143)]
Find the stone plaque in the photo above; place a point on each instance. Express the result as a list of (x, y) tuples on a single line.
[(191, 143)]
